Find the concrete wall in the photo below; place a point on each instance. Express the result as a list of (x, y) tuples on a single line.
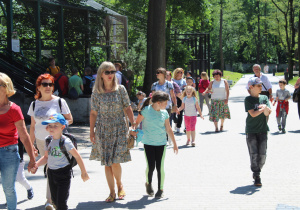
[(80, 108)]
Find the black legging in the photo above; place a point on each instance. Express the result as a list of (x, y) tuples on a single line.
[(179, 116), (299, 105), (155, 156)]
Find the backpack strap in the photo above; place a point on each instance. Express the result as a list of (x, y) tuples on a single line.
[(184, 99), (63, 148), (33, 106), (59, 103), (48, 140)]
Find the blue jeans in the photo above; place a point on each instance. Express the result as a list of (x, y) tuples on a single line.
[(9, 164), (257, 146)]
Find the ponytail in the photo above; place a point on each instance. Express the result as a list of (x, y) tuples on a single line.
[(146, 103)]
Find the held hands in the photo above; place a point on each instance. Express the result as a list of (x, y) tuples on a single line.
[(133, 133), (85, 176), (33, 170), (262, 107)]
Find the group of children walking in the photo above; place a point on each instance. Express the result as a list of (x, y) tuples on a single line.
[(155, 119)]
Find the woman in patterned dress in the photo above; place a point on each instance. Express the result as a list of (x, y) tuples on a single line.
[(109, 139), (219, 90)]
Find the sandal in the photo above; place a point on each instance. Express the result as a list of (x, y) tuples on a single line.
[(188, 142), (110, 198), (217, 130), (193, 144), (221, 128), (121, 194)]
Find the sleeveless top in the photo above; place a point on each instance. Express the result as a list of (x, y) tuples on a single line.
[(218, 89)]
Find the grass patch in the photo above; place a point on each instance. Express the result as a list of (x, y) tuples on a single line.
[(293, 81), (279, 74), (229, 75)]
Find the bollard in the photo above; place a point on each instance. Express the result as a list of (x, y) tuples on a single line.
[(286, 77)]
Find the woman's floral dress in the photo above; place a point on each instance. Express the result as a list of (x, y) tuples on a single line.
[(111, 129)]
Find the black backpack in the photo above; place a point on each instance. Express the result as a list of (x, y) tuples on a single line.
[(72, 160), (57, 86), (73, 94), (125, 81)]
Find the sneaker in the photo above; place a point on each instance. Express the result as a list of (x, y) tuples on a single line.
[(30, 194), (159, 194), (283, 130), (257, 181), (149, 189), (177, 130), (49, 206), (279, 127)]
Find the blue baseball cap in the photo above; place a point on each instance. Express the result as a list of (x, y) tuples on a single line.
[(254, 81), (55, 118)]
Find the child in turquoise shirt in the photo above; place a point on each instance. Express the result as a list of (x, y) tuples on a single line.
[(155, 125)]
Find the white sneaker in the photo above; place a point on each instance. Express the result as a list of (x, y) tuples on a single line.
[(49, 206), (178, 130)]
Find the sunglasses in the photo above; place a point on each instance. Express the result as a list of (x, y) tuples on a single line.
[(158, 72), (109, 72), (45, 84), (180, 72)]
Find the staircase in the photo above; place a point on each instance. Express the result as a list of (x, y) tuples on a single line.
[(21, 70)]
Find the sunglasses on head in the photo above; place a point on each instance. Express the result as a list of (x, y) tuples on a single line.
[(45, 84), (109, 72)]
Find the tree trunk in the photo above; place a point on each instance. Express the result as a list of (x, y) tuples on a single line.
[(299, 44), (156, 41), (258, 35), (159, 36), (293, 37), (220, 38), (148, 71)]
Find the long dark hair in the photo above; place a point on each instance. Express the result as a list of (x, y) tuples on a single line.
[(158, 96)]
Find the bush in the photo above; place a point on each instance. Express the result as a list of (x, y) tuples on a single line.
[(238, 67)]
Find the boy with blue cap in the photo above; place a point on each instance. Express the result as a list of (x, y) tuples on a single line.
[(59, 169), (258, 109)]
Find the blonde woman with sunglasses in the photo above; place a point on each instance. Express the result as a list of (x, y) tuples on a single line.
[(109, 140), (179, 79), (45, 105)]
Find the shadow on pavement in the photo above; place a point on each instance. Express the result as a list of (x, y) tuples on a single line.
[(137, 204), (297, 131), (36, 208), (285, 207), (277, 133), (185, 147), (243, 134), (210, 132), (245, 190)]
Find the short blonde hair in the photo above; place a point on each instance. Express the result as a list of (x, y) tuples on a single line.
[(204, 74), (176, 72), (10, 91), (99, 83)]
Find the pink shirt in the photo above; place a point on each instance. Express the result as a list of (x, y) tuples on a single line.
[(8, 130)]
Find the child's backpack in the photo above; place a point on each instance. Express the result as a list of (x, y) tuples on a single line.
[(62, 147), (73, 94)]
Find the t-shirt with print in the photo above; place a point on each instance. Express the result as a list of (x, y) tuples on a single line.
[(154, 126), (259, 123), (76, 82), (283, 94), (42, 111), (181, 83), (56, 158), (166, 87)]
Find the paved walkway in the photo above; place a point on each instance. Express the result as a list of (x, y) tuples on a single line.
[(213, 175)]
